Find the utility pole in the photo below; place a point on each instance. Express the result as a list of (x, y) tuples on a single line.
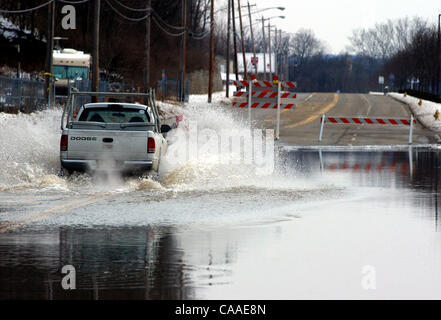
[(211, 70), (252, 39), (96, 49), (276, 45), (264, 48), (282, 58), (147, 49), (279, 53), (228, 50), (19, 64), (269, 49), (50, 52), (438, 57), (245, 73), (233, 18), (183, 51)]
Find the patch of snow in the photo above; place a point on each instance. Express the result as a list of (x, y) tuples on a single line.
[(12, 29), (424, 113), (232, 76)]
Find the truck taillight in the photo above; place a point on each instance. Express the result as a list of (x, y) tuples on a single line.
[(151, 145), (63, 143)]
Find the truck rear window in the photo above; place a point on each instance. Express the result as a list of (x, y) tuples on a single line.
[(114, 114)]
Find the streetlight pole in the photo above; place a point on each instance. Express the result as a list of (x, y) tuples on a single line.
[(211, 69), (438, 57), (280, 55), (245, 73), (50, 52), (269, 51), (228, 50), (233, 18), (276, 52), (252, 39), (96, 49), (183, 62), (264, 48), (147, 50)]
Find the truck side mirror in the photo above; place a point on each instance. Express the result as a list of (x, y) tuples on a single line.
[(165, 128)]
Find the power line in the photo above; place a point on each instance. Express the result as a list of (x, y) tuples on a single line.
[(132, 9), (150, 12), (156, 18), (126, 17), (144, 10), (166, 31), (73, 2), (168, 25), (27, 10)]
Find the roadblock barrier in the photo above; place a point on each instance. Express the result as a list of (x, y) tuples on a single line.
[(396, 122), (176, 121), (266, 84), (266, 94), (266, 99), (367, 167), (368, 121), (267, 105), (380, 166)]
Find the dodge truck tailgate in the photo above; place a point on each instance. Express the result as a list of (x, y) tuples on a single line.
[(106, 144)]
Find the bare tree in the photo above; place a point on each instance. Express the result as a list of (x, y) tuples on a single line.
[(385, 39), (304, 44)]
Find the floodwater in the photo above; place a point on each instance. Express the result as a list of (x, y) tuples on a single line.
[(326, 224), (351, 210)]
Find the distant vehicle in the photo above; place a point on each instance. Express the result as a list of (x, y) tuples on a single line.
[(112, 136), (69, 65)]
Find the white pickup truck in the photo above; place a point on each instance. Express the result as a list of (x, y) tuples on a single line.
[(115, 136)]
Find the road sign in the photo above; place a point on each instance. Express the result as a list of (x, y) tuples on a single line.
[(380, 80), (391, 79)]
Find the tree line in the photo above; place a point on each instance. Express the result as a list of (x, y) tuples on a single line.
[(122, 41), (406, 47)]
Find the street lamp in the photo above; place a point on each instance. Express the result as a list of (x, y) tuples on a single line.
[(438, 57), (271, 8), (269, 44), (252, 35)]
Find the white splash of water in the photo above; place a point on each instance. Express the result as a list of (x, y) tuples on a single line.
[(29, 154), (29, 149)]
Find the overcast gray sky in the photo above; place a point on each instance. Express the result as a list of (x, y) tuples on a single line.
[(333, 21)]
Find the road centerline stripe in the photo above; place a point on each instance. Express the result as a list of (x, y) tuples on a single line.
[(313, 117)]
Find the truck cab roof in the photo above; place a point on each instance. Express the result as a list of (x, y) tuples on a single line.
[(122, 105), (114, 112)]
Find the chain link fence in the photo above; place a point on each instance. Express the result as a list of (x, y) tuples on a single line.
[(171, 89), (22, 95)]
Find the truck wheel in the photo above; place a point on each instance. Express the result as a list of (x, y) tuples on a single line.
[(66, 172)]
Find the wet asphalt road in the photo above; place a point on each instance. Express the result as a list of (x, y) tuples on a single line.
[(309, 230), (301, 126), (312, 239)]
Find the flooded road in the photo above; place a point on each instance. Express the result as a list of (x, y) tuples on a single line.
[(309, 231), (328, 222)]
